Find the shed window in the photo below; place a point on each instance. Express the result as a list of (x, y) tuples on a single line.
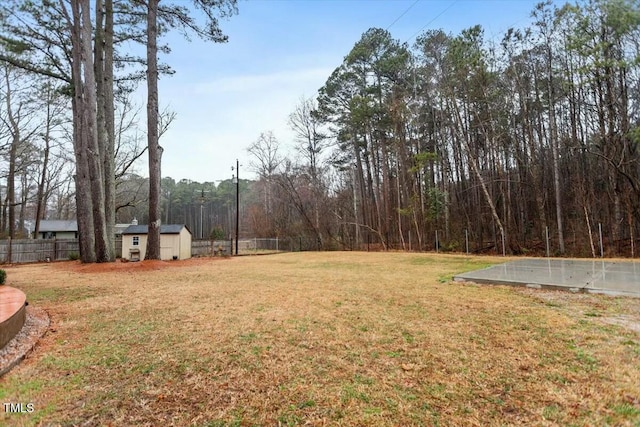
[(136, 240)]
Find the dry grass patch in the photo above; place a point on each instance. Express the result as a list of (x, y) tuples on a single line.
[(318, 339)]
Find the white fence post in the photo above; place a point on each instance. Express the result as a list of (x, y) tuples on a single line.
[(466, 240), (546, 232), (601, 245)]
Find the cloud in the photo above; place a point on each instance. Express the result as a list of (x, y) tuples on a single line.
[(219, 118)]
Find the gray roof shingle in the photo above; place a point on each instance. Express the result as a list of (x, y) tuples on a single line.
[(164, 229), (57, 225)]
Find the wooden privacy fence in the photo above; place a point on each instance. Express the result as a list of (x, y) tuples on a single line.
[(37, 250), (34, 250), (15, 251), (210, 248)]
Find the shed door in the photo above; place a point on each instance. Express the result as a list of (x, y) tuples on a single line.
[(166, 252)]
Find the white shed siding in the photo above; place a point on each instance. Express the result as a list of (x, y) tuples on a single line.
[(178, 245), (184, 244), (127, 245), (169, 246)]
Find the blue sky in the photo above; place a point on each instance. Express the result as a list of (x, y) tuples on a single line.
[(225, 95)]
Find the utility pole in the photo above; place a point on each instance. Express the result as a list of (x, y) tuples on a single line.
[(202, 200), (201, 206), (237, 181)]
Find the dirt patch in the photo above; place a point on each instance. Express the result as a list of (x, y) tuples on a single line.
[(621, 311), (629, 322)]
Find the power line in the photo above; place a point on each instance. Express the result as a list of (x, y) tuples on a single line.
[(432, 21), (403, 13)]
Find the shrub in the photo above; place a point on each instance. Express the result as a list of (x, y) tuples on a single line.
[(74, 256), (449, 247), (217, 234), (3, 276)]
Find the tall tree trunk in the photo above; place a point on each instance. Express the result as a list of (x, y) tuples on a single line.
[(41, 203), (360, 184), (155, 151), (40, 196), (84, 202), (13, 149), (553, 136), (89, 114), (24, 196), (11, 185), (103, 65)]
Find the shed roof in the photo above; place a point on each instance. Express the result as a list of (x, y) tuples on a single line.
[(57, 225), (119, 228), (164, 229)]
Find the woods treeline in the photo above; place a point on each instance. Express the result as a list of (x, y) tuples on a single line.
[(504, 139)]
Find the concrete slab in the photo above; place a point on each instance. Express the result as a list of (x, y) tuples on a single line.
[(607, 277)]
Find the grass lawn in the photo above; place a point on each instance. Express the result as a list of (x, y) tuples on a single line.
[(351, 339)]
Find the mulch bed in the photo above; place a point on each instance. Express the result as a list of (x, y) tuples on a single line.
[(145, 265)]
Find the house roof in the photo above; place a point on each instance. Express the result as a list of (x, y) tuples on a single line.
[(57, 225), (164, 229)]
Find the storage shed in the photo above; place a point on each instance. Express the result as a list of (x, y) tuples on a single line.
[(175, 242)]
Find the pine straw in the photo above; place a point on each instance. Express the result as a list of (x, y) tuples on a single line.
[(317, 339)]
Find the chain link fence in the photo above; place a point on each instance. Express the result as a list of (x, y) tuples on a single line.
[(253, 246)]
